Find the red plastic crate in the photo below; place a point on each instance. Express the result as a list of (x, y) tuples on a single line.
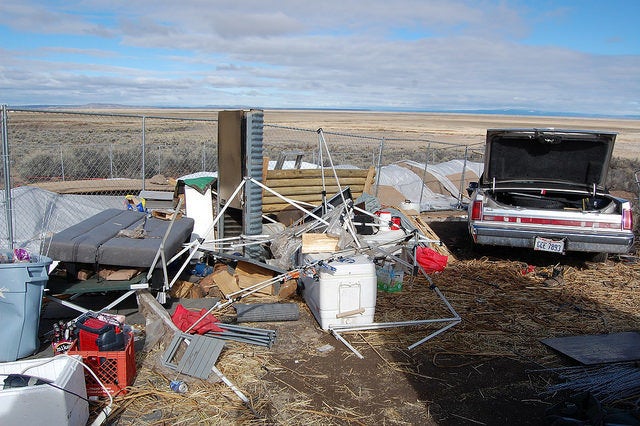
[(115, 369)]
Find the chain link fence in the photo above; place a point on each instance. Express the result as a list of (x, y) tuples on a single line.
[(64, 146), (53, 157)]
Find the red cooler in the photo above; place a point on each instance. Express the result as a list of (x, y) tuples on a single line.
[(98, 335)]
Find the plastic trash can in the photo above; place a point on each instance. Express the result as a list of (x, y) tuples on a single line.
[(21, 289)]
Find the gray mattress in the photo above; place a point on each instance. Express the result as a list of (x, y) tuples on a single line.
[(95, 239)]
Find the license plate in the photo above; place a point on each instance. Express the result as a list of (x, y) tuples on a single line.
[(545, 244)]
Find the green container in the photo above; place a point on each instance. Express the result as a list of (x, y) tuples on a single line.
[(21, 289)]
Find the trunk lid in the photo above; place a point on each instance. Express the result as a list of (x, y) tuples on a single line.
[(547, 158)]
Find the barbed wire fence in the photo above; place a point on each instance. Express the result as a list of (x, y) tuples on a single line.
[(109, 155)]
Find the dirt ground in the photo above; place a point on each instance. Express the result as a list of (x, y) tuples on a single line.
[(489, 369)]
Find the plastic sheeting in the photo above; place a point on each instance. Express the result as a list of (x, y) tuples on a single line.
[(39, 213), (434, 187), (410, 185), (449, 174)]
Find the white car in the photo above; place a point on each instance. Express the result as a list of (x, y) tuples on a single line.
[(544, 189)]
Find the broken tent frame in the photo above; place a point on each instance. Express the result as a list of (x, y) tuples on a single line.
[(327, 219)]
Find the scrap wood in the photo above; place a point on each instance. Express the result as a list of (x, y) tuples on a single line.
[(319, 243), (426, 230), (84, 274), (165, 214), (207, 283)]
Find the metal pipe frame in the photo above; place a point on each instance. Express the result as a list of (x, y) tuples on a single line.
[(454, 320)]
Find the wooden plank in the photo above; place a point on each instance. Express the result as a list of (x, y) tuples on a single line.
[(131, 186), (305, 185), (308, 194), (370, 180), (314, 181), (319, 243), (277, 205), (308, 190), (275, 208), (310, 173), (426, 230)]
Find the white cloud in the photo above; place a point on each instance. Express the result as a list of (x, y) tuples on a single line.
[(456, 55)]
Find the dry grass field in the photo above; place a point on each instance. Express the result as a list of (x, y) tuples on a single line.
[(451, 128), (441, 127)]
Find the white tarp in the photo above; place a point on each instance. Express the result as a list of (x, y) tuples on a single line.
[(38, 213), (412, 188), (449, 174)]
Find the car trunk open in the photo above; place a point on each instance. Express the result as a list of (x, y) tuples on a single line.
[(539, 158), (548, 169)]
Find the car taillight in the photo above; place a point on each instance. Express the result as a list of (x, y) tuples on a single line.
[(476, 210), (627, 219)]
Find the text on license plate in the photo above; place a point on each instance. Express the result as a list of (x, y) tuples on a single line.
[(545, 244)]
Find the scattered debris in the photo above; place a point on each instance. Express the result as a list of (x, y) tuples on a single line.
[(613, 384)]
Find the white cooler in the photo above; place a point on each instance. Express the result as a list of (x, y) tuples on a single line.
[(344, 296), (64, 402)]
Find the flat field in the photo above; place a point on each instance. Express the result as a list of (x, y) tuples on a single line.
[(439, 127), (452, 128)]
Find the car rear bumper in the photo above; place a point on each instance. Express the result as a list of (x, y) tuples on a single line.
[(618, 242)]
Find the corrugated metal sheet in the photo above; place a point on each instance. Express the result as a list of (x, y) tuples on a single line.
[(253, 167)]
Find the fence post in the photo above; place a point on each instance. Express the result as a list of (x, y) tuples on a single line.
[(464, 168), (111, 161), (424, 175), (144, 150), (158, 158), (379, 165), (7, 178), (204, 155), (61, 164)]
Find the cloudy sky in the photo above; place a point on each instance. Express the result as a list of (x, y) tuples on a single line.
[(573, 56)]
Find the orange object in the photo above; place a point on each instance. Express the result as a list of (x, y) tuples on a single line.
[(115, 369)]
